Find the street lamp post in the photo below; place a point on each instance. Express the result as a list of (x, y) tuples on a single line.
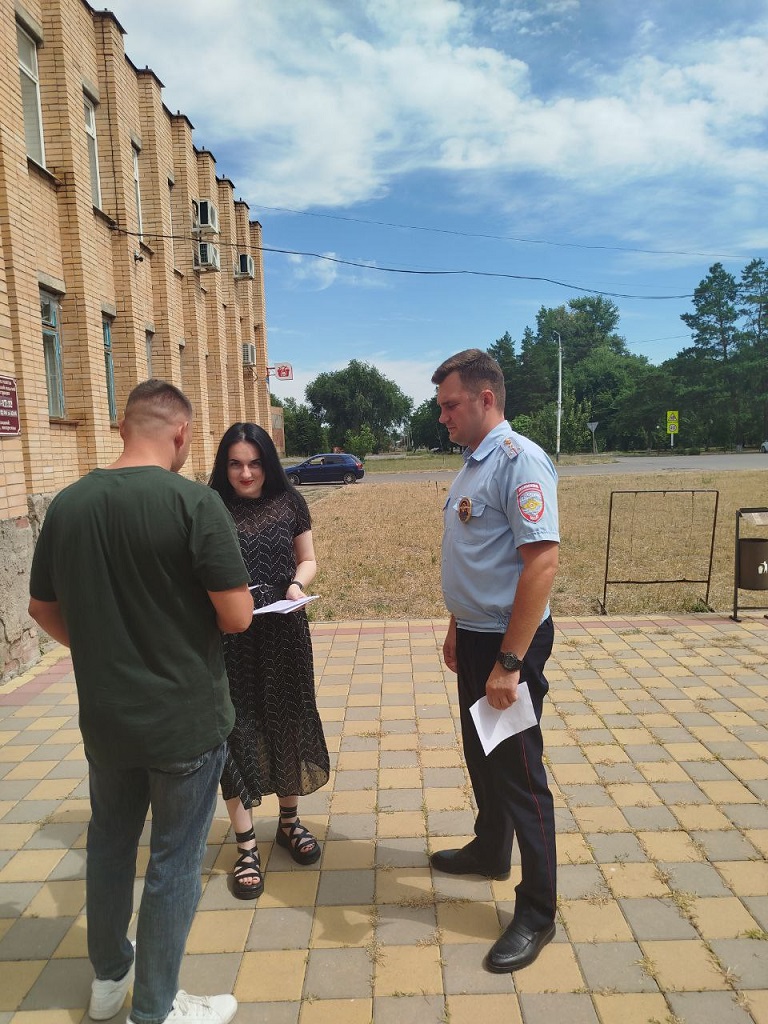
[(559, 392)]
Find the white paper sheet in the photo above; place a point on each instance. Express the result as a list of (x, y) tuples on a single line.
[(494, 726), (283, 607)]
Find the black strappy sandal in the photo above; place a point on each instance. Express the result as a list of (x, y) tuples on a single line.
[(299, 842), (247, 877)]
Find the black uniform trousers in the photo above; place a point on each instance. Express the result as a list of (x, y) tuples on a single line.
[(510, 784)]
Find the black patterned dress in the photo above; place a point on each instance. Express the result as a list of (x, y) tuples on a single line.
[(277, 745)]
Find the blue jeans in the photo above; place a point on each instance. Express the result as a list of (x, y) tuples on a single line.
[(182, 797)]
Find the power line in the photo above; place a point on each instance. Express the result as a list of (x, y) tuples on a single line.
[(421, 273), (498, 238)]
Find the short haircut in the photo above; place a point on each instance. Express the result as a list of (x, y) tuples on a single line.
[(477, 371), (275, 480), (156, 400)]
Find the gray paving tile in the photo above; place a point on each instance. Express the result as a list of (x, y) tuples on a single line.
[(613, 965), (338, 974), (399, 759), (451, 823), (463, 971), (707, 1008), (76, 769), (443, 777), (409, 1010), (685, 793), (609, 848), (565, 755), (576, 1008), (267, 1013), (352, 826), (758, 908), (650, 819), (699, 879), (402, 853), (62, 984), (15, 897), (400, 800), (339, 888), (280, 928), (33, 938), (619, 773), (711, 771), (405, 926), (204, 973), (729, 845), (656, 919), (746, 958), (645, 753), (576, 881), (362, 778), (587, 795), (746, 815), (26, 811)]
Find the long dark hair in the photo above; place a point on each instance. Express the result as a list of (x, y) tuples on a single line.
[(275, 480)]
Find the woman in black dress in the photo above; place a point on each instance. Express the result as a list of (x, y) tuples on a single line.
[(277, 745)]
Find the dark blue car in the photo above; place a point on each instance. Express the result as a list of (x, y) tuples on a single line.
[(327, 469)]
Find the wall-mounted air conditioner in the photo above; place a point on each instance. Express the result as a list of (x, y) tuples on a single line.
[(244, 267), (206, 256), (249, 354), (205, 216)]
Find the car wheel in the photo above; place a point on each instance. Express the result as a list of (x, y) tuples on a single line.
[(349, 478), (294, 479)]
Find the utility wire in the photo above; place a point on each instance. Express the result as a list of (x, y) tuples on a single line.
[(499, 238), (413, 272)]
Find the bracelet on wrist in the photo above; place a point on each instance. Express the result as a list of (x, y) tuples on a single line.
[(297, 583)]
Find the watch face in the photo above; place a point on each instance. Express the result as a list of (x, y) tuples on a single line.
[(510, 661)]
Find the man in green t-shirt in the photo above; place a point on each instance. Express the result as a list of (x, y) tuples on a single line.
[(137, 570)]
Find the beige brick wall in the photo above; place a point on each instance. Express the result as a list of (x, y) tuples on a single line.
[(99, 267)]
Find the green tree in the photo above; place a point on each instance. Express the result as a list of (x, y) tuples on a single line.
[(304, 434), (361, 443), (425, 430), (503, 351), (360, 393), (715, 318)]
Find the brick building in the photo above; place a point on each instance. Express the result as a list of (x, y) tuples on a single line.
[(122, 256)]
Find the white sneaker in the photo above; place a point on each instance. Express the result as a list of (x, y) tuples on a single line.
[(189, 1009), (107, 997)]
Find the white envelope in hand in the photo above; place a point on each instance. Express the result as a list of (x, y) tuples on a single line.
[(494, 726)]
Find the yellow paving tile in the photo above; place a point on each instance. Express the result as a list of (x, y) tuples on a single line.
[(336, 1011), (408, 970), (747, 769), (600, 819), (759, 839), (634, 880), (745, 878), (572, 848), (468, 922), (16, 752), (444, 758), (683, 966), (13, 837), (75, 942), (701, 818), (757, 1002), (271, 976), (574, 774), (727, 792), (594, 922), (397, 741), (555, 970), (721, 917), (57, 899), (469, 1009), (631, 1007), (31, 865), (446, 800), (626, 737), (16, 979), (348, 855), (52, 789), (400, 824), (30, 770), (689, 752), (353, 801), (351, 760), (670, 846), (398, 885), (662, 771), (343, 926), (220, 931), (605, 754), (633, 794), (290, 889)]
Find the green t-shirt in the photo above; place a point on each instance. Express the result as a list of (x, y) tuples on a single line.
[(129, 555)]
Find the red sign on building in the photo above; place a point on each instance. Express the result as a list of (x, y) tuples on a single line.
[(10, 424), (284, 371)]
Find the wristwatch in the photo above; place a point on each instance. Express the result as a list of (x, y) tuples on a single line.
[(509, 661), (296, 583)]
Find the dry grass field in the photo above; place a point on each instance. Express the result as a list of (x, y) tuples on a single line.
[(378, 547)]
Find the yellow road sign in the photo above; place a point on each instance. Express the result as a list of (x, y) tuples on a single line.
[(673, 421)]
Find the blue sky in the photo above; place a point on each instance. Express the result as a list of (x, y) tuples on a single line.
[(608, 144)]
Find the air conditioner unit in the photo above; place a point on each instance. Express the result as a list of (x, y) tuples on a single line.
[(249, 354), (245, 266), (205, 216), (206, 256)]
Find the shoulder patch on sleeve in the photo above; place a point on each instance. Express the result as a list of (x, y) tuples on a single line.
[(530, 502), (509, 447)]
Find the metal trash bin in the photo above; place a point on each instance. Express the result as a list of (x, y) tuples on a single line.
[(753, 563)]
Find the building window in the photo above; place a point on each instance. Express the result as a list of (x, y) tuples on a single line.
[(149, 336), (109, 369), (137, 191), (50, 313), (93, 150), (30, 96), (170, 208)]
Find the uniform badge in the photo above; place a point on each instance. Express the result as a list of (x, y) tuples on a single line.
[(464, 510), (509, 447), (530, 501)]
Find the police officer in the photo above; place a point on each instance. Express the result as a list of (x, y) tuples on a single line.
[(499, 558)]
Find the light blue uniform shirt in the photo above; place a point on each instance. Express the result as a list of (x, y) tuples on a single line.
[(504, 496)]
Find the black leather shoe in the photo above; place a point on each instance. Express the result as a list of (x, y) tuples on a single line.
[(517, 947), (464, 862)]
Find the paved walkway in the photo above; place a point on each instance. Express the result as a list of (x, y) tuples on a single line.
[(657, 738)]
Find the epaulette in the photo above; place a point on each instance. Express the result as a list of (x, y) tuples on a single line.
[(510, 449)]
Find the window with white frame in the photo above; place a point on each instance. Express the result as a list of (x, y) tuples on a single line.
[(50, 314), (89, 112), (137, 191), (30, 96), (109, 368)]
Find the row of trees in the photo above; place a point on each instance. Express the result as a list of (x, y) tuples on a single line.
[(719, 384)]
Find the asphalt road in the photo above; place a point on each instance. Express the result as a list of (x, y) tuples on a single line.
[(622, 464)]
